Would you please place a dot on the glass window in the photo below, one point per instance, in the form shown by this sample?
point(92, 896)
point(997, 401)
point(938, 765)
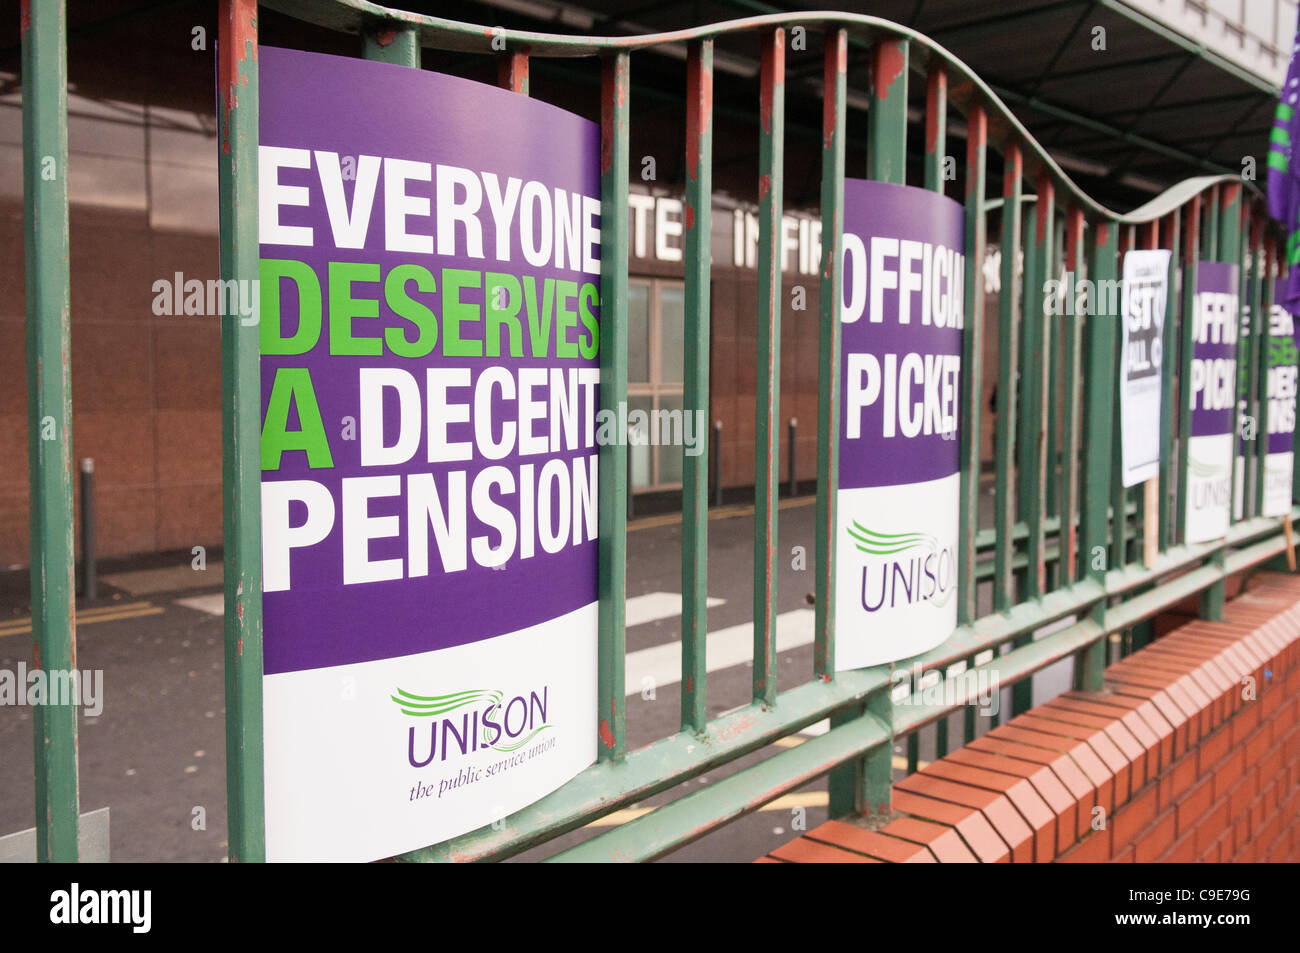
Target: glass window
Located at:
point(672, 317)
point(655, 369)
point(638, 328)
point(670, 456)
point(639, 452)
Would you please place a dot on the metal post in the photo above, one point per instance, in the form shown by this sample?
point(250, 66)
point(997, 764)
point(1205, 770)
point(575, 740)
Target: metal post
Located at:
point(792, 432)
point(834, 89)
point(1099, 381)
point(89, 587)
point(695, 491)
point(717, 463)
point(241, 427)
point(1226, 236)
point(972, 350)
point(611, 713)
point(49, 414)
point(1009, 305)
point(387, 43)
point(767, 446)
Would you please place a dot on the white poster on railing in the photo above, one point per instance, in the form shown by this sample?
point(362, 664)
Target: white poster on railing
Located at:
point(429, 552)
point(1280, 412)
point(1213, 385)
point(1146, 289)
point(898, 500)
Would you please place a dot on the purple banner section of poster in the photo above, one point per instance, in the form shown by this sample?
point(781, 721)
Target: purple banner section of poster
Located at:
point(1217, 287)
point(1281, 363)
point(905, 383)
point(359, 110)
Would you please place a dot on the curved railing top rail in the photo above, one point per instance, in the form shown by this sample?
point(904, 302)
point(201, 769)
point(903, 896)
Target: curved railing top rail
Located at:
point(965, 88)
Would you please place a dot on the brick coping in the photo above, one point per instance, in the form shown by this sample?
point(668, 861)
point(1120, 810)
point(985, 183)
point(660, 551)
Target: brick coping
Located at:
point(1172, 761)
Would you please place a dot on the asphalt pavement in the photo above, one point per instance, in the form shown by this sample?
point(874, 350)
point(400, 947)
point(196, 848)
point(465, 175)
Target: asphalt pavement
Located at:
point(156, 754)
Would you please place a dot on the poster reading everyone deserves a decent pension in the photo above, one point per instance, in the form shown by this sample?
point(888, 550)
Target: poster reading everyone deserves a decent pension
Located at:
point(430, 328)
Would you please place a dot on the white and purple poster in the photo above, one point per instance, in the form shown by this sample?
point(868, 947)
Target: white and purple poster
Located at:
point(1246, 426)
point(899, 483)
point(1280, 414)
point(429, 327)
point(1146, 289)
point(1213, 383)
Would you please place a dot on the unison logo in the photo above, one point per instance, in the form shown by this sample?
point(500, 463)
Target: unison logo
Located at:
point(906, 568)
point(1212, 486)
point(464, 722)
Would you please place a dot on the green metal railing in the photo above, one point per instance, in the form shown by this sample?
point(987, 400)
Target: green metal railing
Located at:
point(1058, 500)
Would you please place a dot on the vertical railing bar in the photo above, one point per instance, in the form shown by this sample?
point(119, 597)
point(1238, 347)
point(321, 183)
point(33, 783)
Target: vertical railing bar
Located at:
point(1099, 378)
point(612, 467)
point(1169, 414)
point(1023, 382)
point(1036, 393)
point(1260, 320)
point(972, 386)
point(1009, 307)
point(1056, 333)
point(392, 42)
point(936, 147)
point(241, 435)
point(887, 162)
point(1245, 483)
point(1119, 494)
point(968, 721)
point(695, 388)
point(972, 358)
point(1211, 234)
point(936, 128)
point(1191, 254)
point(1038, 253)
point(865, 784)
point(1074, 252)
point(828, 348)
point(49, 418)
point(1147, 238)
point(512, 71)
point(1225, 218)
point(771, 159)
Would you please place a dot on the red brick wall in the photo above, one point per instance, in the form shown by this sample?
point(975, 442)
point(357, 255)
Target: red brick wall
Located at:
point(146, 389)
point(1183, 764)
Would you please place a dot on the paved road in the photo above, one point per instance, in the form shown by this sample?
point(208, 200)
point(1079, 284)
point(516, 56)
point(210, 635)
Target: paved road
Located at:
point(156, 754)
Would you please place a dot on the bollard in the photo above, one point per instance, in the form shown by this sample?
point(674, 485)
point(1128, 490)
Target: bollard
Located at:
point(717, 463)
point(88, 526)
point(794, 483)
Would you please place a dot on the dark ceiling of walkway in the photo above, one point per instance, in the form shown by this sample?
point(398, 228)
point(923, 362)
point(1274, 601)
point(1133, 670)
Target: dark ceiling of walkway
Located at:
point(1148, 110)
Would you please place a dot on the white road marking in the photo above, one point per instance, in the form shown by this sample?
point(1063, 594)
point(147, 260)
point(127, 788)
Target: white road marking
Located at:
point(654, 606)
point(733, 645)
point(213, 604)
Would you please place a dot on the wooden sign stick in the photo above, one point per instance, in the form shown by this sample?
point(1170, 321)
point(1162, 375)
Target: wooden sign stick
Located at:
point(1290, 542)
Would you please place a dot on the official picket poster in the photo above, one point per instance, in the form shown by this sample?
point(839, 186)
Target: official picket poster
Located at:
point(429, 326)
point(1280, 412)
point(1212, 383)
point(1145, 292)
point(898, 499)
